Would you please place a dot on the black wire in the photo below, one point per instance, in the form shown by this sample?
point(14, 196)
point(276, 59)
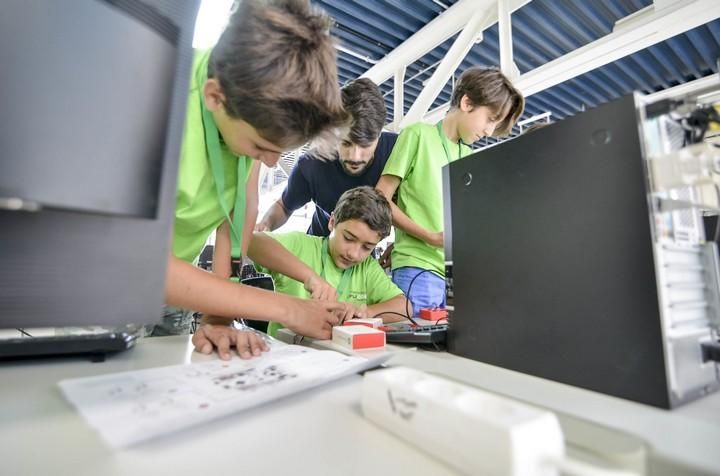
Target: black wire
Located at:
point(23, 332)
point(412, 281)
point(395, 313)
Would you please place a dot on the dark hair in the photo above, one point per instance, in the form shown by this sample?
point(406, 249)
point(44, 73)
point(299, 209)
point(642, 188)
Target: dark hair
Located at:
point(365, 204)
point(276, 66)
point(363, 100)
point(490, 88)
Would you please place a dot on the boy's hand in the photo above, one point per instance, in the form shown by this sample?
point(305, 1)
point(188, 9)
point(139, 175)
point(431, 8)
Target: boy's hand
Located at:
point(436, 239)
point(247, 344)
point(320, 289)
point(351, 311)
point(313, 318)
point(262, 227)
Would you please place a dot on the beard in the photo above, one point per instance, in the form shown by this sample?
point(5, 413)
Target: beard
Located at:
point(360, 169)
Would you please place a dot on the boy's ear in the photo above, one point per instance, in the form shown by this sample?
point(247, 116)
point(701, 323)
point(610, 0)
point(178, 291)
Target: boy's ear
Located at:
point(331, 222)
point(466, 105)
point(213, 95)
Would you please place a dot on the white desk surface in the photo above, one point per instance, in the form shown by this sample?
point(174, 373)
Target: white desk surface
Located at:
point(685, 440)
point(317, 432)
point(320, 432)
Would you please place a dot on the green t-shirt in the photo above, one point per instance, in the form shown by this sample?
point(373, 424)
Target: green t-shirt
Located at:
point(418, 158)
point(198, 211)
point(367, 282)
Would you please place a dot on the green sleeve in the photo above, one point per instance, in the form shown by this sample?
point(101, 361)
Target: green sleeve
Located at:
point(295, 243)
point(290, 241)
point(404, 153)
point(379, 286)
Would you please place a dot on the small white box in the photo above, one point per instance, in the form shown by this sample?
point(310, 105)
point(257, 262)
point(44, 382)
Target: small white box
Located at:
point(373, 322)
point(358, 337)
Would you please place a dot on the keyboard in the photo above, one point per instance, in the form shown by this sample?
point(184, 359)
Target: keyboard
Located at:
point(434, 335)
point(96, 345)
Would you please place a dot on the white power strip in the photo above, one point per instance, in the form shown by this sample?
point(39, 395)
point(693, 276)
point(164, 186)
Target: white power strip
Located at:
point(475, 432)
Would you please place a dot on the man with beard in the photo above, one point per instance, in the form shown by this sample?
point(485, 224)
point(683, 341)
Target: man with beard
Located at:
point(362, 155)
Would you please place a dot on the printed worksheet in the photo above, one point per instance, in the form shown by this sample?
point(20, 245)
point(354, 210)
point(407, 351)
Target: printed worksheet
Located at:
point(129, 407)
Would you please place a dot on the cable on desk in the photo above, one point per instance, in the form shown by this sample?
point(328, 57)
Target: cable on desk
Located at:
point(407, 302)
point(396, 314)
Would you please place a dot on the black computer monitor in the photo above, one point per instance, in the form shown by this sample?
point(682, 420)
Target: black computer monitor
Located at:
point(92, 99)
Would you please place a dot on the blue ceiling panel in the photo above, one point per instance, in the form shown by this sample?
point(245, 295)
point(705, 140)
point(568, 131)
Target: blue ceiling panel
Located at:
point(543, 30)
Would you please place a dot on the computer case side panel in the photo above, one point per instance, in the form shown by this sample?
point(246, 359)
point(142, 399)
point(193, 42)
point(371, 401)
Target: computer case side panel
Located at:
point(553, 259)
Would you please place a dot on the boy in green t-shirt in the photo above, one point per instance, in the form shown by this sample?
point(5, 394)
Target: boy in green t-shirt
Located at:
point(484, 103)
point(361, 218)
point(269, 85)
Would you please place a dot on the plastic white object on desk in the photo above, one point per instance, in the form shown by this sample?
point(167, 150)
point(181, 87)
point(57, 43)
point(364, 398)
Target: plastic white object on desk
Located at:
point(358, 337)
point(474, 431)
point(373, 322)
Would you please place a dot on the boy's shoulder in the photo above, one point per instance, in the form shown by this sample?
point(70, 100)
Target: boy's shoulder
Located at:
point(293, 235)
point(305, 247)
point(419, 128)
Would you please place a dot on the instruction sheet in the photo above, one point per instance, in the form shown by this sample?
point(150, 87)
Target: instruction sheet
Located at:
point(129, 407)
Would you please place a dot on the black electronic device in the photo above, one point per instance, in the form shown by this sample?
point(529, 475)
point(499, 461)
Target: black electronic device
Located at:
point(95, 345)
point(94, 94)
point(559, 271)
point(431, 335)
point(251, 277)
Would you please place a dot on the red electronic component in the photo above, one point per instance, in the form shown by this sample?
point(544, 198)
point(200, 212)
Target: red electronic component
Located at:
point(433, 314)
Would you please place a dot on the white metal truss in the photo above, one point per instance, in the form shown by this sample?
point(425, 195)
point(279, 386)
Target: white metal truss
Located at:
point(507, 65)
point(650, 27)
point(653, 24)
point(399, 95)
point(445, 26)
point(446, 68)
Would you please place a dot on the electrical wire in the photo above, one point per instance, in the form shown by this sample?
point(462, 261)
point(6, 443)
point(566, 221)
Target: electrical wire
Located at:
point(397, 314)
point(409, 293)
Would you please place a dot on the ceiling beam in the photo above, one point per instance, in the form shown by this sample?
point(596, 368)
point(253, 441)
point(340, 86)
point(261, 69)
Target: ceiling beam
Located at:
point(448, 66)
point(399, 96)
point(433, 34)
point(507, 64)
point(648, 27)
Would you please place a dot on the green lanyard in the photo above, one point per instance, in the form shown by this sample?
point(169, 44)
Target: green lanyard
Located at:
point(345, 274)
point(442, 141)
point(212, 144)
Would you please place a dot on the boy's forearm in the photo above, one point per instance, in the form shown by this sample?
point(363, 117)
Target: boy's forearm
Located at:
point(406, 224)
point(396, 305)
point(275, 217)
point(189, 287)
point(216, 320)
point(388, 185)
point(267, 252)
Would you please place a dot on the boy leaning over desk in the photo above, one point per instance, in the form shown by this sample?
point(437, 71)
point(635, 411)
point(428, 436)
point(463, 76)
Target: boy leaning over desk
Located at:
point(269, 85)
point(483, 103)
point(361, 219)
